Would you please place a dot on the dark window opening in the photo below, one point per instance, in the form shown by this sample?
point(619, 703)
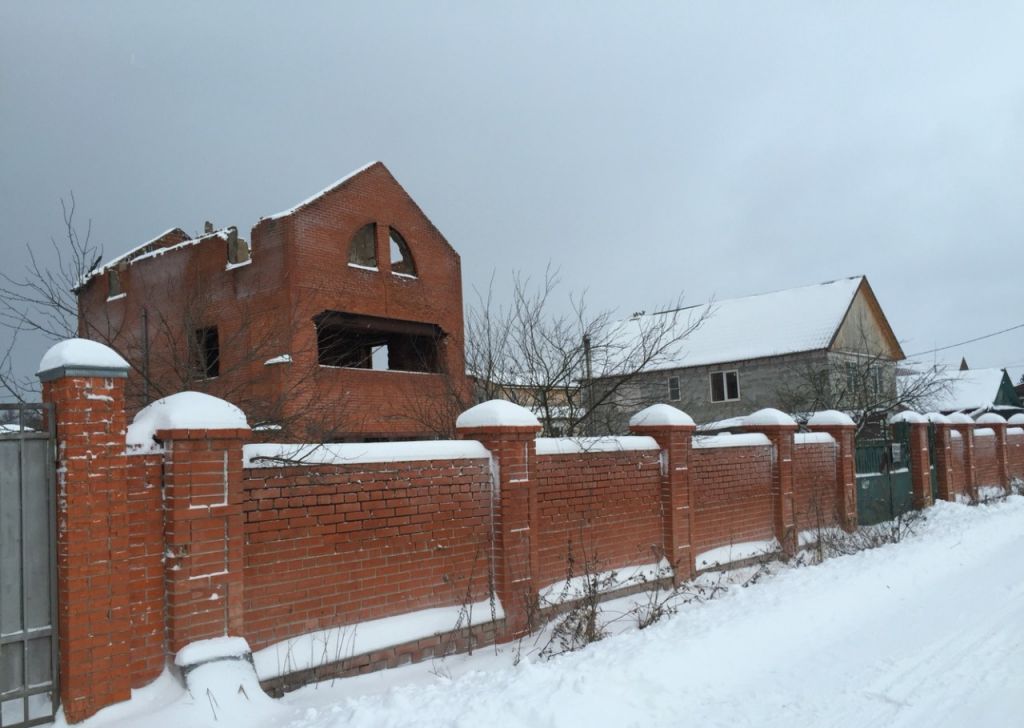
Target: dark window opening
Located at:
point(363, 250)
point(725, 386)
point(369, 342)
point(673, 389)
point(401, 258)
point(207, 352)
point(114, 284)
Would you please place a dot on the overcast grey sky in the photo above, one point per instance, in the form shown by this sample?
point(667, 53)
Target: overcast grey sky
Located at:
point(720, 149)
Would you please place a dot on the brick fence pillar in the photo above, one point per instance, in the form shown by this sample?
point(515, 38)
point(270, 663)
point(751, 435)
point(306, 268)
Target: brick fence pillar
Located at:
point(673, 431)
point(510, 433)
point(965, 426)
point(84, 380)
point(998, 425)
point(943, 456)
point(920, 458)
point(203, 522)
point(843, 430)
point(779, 428)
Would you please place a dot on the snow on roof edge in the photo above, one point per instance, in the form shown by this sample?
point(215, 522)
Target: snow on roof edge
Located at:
point(321, 193)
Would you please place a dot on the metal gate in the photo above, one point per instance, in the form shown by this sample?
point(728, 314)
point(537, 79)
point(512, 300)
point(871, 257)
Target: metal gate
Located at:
point(884, 485)
point(28, 567)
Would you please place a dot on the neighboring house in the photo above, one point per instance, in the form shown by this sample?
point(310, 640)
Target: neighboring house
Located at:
point(341, 321)
point(558, 408)
point(975, 391)
point(822, 346)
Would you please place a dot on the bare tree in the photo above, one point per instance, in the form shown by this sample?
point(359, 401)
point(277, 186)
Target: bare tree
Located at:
point(567, 366)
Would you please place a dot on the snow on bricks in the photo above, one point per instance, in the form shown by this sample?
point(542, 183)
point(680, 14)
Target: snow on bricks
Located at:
point(294, 547)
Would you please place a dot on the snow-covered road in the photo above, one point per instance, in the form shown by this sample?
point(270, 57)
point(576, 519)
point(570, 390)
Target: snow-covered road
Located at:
point(928, 632)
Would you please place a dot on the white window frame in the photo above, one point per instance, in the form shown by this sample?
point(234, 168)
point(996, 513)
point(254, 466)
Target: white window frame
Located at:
point(725, 386)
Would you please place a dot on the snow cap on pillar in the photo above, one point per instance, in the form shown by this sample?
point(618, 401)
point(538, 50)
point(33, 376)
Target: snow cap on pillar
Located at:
point(497, 413)
point(991, 418)
point(661, 415)
point(81, 358)
point(1016, 420)
point(959, 418)
point(769, 417)
point(183, 411)
point(830, 418)
point(909, 417)
point(937, 418)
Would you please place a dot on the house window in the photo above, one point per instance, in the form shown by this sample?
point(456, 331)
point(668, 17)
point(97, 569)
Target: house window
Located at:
point(114, 287)
point(401, 258)
point(370, 342)
point(673, 389)
point(206, 358)
point(363, 249)
point(725, 386)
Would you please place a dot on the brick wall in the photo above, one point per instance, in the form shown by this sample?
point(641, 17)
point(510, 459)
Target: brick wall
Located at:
point(606, 505)
point(340, 544)
point(732, 495)
point(816, 492)
point(146, 566)
point(1015, 453)
point(985, 463)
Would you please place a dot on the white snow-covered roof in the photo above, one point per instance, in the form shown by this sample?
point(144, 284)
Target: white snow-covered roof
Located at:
point(321, 193)
point(769, 324)
point(969, 390)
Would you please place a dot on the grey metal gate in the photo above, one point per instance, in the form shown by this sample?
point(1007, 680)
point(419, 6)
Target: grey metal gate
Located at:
point(28, 566)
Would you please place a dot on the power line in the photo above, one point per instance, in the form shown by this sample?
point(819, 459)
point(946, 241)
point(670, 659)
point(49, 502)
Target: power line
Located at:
point(969, 341)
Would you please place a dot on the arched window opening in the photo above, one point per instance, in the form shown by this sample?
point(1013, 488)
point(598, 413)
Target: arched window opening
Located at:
point(401, 258)
point(363, 251)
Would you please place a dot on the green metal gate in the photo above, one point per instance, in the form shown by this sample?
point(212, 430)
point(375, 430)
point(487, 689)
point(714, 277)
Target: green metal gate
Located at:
point(28, 570)
point(884, 486)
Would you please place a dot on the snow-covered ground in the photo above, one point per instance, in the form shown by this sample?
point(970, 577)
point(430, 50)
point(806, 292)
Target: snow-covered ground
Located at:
point(927, 632)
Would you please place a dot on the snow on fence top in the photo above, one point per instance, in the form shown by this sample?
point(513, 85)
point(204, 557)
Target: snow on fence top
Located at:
point(268, 455)
point(984, 432)
point(183, 411)
point(216, 648)
point(937, 418)
point(768, 417)
point(812, 438)
point(749, 439)
point(661, 415)
point(571, 445)
point(830, 418)
point(991, 418)
point(1015, 431)
point(80, 353)
point(907, 416)
point(497, 413)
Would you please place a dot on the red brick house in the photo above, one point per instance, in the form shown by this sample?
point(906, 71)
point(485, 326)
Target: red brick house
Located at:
point(342, 320)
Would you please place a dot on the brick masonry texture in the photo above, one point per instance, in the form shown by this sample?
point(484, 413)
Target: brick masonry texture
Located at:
point(985, 460)
point(157, 550)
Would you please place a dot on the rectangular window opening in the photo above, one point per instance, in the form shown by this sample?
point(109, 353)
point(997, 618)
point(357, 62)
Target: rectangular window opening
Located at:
point(673, 389)
point(207, 352)
point(725, 386)
point(364, 342)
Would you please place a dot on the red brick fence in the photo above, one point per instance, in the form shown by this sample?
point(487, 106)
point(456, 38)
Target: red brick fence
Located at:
point(195, 534)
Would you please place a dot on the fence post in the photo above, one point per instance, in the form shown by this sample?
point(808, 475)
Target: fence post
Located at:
point(965, 426)
point(920, 461)
point(84, 380)
point(202, 439)
point(673, 431)
point(779, 428)
point(998, 425)
point(1016, 461)
point(509, 432)
point(943, 456)
point(843, 431)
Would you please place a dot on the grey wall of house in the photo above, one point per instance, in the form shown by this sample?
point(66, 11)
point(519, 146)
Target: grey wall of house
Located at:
point(782, 382)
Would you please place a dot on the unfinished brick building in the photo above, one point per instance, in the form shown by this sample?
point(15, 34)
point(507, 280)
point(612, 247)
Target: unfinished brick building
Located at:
point(341, 321)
